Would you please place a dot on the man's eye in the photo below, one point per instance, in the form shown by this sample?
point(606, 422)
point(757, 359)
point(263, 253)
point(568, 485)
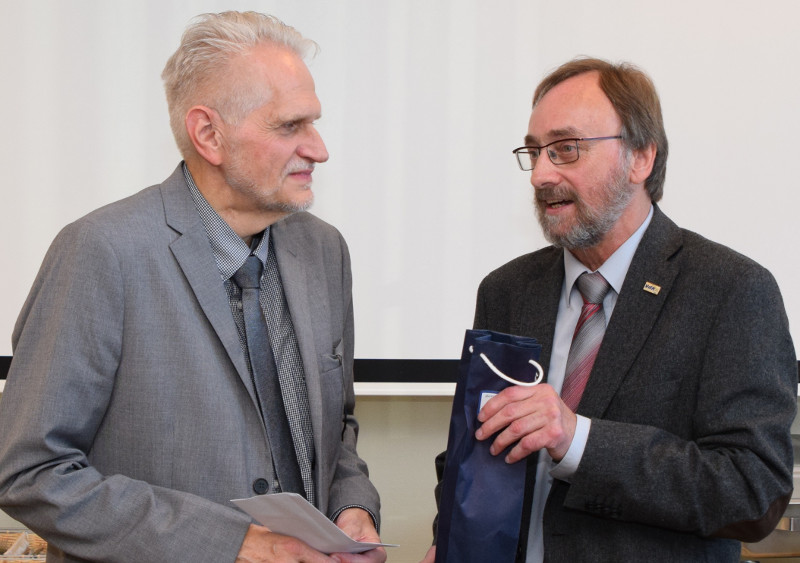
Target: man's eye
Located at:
point(290, 126)
point(565, 148)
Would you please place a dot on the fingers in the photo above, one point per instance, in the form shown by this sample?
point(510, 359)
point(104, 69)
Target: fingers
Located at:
point(506, 396)
point(377, 555)
point(357, 523)
point(512, 404)
point(531, 434)
point(262, 546)
point(430, 556)
point(531, 418)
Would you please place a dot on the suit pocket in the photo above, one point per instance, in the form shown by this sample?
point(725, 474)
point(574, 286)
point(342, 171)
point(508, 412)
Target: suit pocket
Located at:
point(330, 362)
point(332, 380)
point(332, 368)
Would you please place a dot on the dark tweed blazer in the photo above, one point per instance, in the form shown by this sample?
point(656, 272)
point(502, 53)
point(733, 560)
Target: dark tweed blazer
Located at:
point(691, 399)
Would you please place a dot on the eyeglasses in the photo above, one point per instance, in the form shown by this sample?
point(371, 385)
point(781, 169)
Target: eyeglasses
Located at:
point(562, 151)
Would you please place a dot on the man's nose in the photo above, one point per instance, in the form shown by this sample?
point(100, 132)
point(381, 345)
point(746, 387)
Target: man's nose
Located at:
point(313, 147)
point(544, 172)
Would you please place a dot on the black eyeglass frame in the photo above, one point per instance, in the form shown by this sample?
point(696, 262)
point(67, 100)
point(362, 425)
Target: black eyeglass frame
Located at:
point(522, 150)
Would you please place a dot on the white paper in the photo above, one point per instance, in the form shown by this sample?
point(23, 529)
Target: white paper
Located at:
point(292, 515)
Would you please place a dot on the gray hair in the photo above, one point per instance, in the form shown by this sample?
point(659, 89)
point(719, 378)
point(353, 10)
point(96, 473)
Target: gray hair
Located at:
point(194, 74)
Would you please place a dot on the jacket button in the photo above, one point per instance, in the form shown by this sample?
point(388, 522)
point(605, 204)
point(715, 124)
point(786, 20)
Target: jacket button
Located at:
point(260, 486)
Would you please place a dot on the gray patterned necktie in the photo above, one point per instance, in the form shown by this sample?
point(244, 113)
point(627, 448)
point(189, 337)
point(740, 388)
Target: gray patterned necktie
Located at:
point(265, 378)
point(587, 338)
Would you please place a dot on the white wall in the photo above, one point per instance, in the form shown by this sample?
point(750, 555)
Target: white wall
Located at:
point(423, 101)
point(399, 439)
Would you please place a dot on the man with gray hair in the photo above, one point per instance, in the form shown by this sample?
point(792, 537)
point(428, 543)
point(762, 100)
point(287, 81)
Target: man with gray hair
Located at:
point(193, 343)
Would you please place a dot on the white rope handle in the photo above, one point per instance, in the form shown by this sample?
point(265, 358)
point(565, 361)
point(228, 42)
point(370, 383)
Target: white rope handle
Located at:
point(539, 370)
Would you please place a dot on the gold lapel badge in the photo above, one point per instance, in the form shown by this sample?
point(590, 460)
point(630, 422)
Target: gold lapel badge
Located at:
point(650, 287)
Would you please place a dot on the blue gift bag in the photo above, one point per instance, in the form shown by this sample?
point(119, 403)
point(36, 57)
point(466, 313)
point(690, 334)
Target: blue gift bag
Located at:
point(480, 506)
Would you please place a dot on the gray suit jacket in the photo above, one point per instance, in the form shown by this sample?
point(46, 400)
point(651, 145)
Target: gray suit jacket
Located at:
point(129, 420)
point(691, 399)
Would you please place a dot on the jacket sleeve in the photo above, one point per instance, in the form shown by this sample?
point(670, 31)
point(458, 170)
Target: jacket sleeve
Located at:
point(725, 468)
point(67, 344)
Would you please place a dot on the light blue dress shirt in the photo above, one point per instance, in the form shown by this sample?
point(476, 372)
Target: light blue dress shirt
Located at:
point(614, 271)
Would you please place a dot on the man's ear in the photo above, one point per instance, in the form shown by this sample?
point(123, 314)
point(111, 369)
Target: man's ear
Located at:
point(202, 125)
point(642, 164)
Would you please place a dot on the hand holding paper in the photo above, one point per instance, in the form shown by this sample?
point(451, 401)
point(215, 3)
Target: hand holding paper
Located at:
point(261, 545)
point(292, 515)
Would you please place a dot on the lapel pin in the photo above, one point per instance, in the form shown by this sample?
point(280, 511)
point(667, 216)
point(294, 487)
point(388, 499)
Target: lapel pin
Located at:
point(650, 287)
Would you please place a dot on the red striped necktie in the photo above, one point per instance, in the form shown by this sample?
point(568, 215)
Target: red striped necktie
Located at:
point(587, 338)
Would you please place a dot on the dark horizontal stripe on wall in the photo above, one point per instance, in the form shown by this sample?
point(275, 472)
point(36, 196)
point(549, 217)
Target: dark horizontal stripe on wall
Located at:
point(372, 371)
point(378, 371)
point(405, 371)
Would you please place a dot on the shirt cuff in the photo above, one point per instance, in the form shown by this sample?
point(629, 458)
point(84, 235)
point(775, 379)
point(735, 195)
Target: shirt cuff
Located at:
point(566, 468)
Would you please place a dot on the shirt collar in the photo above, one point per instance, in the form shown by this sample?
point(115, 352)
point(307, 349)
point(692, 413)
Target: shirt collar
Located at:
point(614, 269)
point(230, 251)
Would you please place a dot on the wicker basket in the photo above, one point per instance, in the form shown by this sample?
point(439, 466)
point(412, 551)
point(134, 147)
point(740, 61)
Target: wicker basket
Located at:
point(36, 550)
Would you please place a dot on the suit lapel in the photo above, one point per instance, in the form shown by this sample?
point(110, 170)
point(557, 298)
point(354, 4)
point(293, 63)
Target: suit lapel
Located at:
point(193, 253)
point(635, 313)
point(304, 295)
point(538, 307)
point(302, 292)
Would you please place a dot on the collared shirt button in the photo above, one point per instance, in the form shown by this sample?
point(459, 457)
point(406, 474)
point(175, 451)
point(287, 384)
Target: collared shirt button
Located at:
point(261, 486)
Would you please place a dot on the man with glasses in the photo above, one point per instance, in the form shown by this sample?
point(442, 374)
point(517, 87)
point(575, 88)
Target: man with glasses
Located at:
point(663, 430)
